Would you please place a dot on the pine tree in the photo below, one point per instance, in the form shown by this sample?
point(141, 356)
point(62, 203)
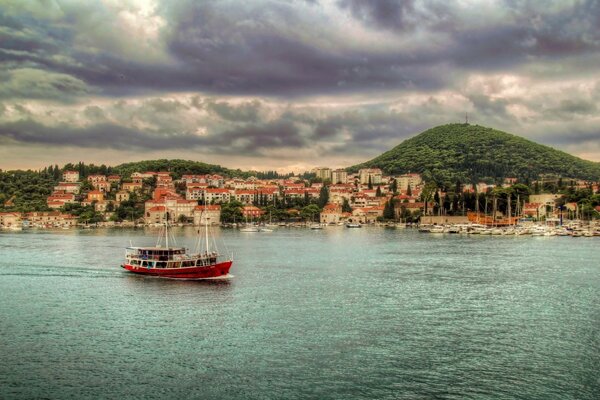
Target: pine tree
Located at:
point(370, 186)
point(323, 197)
point(378, 192)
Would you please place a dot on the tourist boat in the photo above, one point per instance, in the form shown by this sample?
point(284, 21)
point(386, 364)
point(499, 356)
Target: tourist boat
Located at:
point(175, 262)
point(353, 225)
point(316, 226)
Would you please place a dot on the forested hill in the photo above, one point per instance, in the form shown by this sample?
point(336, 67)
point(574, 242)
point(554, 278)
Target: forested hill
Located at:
point(468, 153)
point(176, 167)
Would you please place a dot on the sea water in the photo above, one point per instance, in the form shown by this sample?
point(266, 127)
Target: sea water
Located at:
point(327, 314)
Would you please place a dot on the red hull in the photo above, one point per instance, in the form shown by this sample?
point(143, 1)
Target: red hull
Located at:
point(211, 271)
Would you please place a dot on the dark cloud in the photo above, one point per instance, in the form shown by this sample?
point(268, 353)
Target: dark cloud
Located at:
point(392, 14)
point(248, 139)
point(272, 52)
point(245, 112)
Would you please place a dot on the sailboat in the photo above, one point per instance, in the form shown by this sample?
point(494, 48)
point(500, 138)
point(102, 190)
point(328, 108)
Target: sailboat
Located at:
point(171, 261)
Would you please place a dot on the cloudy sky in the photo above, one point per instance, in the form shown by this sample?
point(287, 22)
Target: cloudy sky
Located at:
point(288, 85)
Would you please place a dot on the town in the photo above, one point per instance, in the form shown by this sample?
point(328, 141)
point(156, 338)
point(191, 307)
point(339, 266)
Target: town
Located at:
point(323, 196)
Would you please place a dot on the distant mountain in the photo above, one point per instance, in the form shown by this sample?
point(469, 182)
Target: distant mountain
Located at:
point(471, 153)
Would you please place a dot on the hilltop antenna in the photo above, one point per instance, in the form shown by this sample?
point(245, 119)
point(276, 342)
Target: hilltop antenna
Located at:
point(466, 118)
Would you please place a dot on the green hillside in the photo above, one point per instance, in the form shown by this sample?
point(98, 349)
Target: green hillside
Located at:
point(467, 153)
point(176, 167)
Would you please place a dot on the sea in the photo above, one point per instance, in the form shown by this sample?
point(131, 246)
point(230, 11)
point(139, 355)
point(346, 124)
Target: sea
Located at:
point(338, 313)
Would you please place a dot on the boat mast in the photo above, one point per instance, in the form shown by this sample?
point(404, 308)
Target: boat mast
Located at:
point(206, 227)
point(167, 229)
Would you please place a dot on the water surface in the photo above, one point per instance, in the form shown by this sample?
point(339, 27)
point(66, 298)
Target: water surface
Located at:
point(331, 314)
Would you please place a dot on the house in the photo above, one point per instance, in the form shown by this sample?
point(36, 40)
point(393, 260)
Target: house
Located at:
point(331, 214)
point(103, 186)
point(122, 195)
point(245, 196)
point(322, 173)
point(163, 179)
point(216, 195)
point(132, 186)
point(536, 210)
point(408, 180)
point(10, 219)
point(67, 187)
point(252, 212)
point(339, 176)
point(95, 195)
point(59, 199)
point(176, 206)
point(96, 178)
point(367, 215)
point(70, 176)
point(370, 175)
point(195, 191)
point(209, 213)
point(412, 207)
point(155, 215)
point(50, 218)
point(114, 178)
point(101, 206)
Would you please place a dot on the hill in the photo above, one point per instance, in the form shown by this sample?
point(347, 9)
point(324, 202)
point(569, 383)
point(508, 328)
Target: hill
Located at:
point(468, 153)
point(176, 167)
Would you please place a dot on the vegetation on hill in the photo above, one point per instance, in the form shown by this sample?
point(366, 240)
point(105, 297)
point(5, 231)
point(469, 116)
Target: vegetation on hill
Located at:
point(25, 191)
point(176, 167)
point(471, 153)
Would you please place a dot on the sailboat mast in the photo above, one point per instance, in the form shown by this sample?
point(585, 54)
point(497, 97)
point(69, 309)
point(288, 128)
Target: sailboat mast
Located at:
point(167, 229)
point(206, 228)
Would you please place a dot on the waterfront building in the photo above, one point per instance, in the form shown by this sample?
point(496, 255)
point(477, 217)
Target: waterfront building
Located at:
point(331, 214)
point(210, 213)
point(251, 212)
point(175, 205)
point(155, 215)
point(534, 209)
point(49, 218)
point(10, 219)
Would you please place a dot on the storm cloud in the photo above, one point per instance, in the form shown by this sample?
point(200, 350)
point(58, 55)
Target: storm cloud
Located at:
point(339, 80)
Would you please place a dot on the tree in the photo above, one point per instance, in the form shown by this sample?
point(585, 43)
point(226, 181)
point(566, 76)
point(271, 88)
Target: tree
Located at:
point(308, 212)
point(323, 197)
point(409, 191)
point(388, 211)
point(346, 206)
point(231, 212)
point(378, 192)
point(370, 185)
point(394, 186)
